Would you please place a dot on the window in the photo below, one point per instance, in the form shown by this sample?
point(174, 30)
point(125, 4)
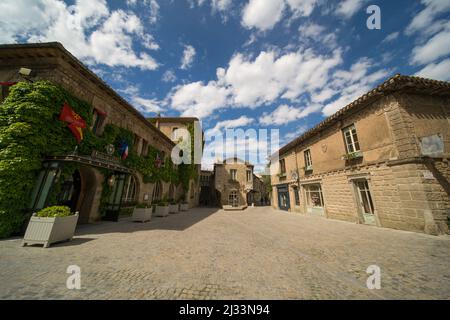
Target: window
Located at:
point(296, 196)
point(314, 197)
point(97, 120)
point(233, 174)
point(144, 151)
point(233, 199)
point(249, 175)
point(282, 166)
point(137, 140)
point(351, 139)
point(157, 192)
point(365, 197)
point(308, 160)
point(129, 191)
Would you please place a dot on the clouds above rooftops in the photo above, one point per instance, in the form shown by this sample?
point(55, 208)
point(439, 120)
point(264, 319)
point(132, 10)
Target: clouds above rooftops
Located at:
point(88, 29)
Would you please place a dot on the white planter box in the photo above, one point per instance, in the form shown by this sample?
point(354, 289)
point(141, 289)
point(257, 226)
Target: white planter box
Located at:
point(142, 214)
point(174, 208)
point(184, 207)
point(161, 211)
point(50, 230)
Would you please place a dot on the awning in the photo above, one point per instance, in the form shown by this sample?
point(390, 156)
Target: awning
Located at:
point(91, 161)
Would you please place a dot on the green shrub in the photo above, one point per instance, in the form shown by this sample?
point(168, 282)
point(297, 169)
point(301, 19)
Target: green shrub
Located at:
point(142, 205)
point(55, 211)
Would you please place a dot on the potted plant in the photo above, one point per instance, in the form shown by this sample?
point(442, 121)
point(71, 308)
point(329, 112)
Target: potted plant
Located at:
point(50, 225)
point(162, 208)
point(174, 207)
point(142, 212)
point(184, 206)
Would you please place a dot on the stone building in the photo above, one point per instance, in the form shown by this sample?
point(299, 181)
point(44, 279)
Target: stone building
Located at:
point(233, 182)
point(382, 160)
point(51, 61)
point(207, 189)
point(259, 195)
point(176, 128)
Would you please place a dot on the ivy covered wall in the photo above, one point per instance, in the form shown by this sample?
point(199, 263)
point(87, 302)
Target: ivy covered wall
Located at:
point(30, 130)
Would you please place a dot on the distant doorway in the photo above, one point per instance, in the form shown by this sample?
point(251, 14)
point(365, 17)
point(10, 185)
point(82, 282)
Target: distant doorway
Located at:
point(283, 198)
point(366, 206)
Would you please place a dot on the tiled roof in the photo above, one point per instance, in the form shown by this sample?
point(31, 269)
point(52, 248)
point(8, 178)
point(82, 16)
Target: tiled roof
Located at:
point(396, 83)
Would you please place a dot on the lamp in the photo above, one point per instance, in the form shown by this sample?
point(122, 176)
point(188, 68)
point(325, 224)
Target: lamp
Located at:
point(25, 71)
point(112, 180)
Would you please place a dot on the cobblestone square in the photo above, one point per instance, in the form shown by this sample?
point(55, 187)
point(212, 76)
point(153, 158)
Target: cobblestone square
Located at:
point(208, 253)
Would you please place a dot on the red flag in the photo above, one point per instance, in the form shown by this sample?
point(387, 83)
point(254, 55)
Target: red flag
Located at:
point(76, 123)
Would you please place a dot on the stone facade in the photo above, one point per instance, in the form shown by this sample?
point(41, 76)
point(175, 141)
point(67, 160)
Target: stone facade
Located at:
point(50, 61)
point(173, 128)
point(233, 181)
point(391, 180)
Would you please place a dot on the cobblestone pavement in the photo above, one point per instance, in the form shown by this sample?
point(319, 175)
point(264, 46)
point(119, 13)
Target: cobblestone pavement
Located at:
point(205, 253)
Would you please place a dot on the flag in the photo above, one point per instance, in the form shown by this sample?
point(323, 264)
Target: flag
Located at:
point(123, 149)
point(76, 123)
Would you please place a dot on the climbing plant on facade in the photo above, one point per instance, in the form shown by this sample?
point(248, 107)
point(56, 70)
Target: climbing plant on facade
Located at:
point(30, 130)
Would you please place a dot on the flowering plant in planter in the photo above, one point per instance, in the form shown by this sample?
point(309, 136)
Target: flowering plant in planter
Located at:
point(50, 225)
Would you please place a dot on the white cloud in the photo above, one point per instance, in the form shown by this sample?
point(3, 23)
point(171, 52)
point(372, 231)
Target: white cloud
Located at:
point(146, 105)
point(302, 8)
point(154, 10)
point(352, 84)
point(391, 37)
point(316, 33)
point(438, 71)
point(285, 114)
point(425, 21)
point(348, 8)
point(198, 99)
point(221, 5)
point(262, 14)
point(436, 47)
point(231, 124)
point(254, 82)
point(169, 76)
point(88, 29)
point(188, 57)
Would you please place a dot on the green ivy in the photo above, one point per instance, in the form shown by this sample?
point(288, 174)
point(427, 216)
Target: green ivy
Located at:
point(30, 131)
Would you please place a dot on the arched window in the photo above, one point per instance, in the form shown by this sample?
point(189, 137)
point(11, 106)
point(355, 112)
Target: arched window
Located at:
point(130, 190)
point(157, 191)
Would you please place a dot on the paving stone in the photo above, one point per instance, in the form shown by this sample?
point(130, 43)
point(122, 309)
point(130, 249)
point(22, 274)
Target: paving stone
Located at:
point(212, 254)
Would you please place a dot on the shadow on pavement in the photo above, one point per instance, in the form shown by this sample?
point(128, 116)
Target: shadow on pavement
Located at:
point(176, 222)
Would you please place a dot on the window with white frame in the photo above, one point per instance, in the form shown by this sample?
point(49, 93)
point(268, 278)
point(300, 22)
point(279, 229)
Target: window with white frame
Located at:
point(129, 190)
point(233, 174)
point(308, 160)
point(351, 139)
point(233, 199)
point(314, 197)
point(249, 175)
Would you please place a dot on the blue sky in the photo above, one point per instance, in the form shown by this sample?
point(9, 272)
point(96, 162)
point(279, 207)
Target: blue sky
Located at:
point(284, 64)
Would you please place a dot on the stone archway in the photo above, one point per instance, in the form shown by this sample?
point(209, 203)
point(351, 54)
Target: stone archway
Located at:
point(89, 199)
